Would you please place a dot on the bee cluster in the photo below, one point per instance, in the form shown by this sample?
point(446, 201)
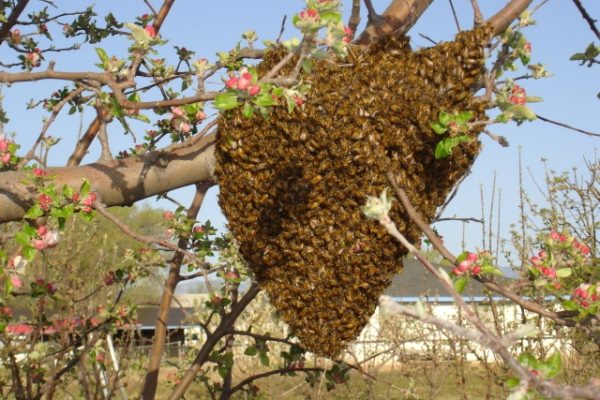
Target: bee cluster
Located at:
point(291, 185)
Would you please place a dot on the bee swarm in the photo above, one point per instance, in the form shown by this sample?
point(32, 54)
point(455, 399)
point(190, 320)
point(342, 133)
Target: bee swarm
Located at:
point(291, 186)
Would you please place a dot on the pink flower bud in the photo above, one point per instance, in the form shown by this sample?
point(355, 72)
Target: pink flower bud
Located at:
point(39, 172)
point(549, 272)
point(200, 115)
point(457, 271)
point(476, 270)
point(542, 254)
point(41, 231)
point(554, 235)
point(244, 81)
point(38, 244)
point(51, 238)
point(150, 30)
point(168, 215)
point(177, 111)
point(5, 158)
point(464, 266)
point(472, 257)
point(198, 229)
point(231, 82)
point(254, 90)
point(16, 281)
point(3, 145)
point(298, 100)
point(535, 260)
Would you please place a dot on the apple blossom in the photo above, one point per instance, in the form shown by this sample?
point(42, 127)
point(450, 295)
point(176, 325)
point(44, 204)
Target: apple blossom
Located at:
point(168, 215)
point(51, 238)
point(231, 82)
point(39, 172)
point(200, 115)
point(150, 30)
point(244, 81)
point(17, 262)
point(16, 281)
point(518, 95)
point(254, 90)
point(177, 111)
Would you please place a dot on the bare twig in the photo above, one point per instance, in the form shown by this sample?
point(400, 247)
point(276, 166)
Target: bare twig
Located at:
point(567, 126)
point(454, 15)
point(477, 16)
point(591, 22)
point(12, 19)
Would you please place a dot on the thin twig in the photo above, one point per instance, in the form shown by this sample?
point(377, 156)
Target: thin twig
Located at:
point(454, 15)
point(591, 22)
point(567, 126)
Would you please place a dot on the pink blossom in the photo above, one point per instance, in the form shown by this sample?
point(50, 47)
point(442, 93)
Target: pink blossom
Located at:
point(17, 262)
point(51, 238)
point(472, 257)
point(177, 111)
point(41, 231)
point(244, 81)
point(298, 100)
point(585, 250)
point(518, 95)
point(542, 254)
point(39, 172)
point(16, 281)
point(535, 260)
point(476, 270)
point(19, 329)
point(464, 265)
point(254, 90)
point(527, 48)
point(44, 201)
point(231, 82)
point(5, 158)
point(457, 271)
point(3, 145)
point(90, 199)
point(200, 115)
point(150, 30)
point(168, 215)
point(554, 235)
point(198, 229)
point(549, 272)
point(38, 244)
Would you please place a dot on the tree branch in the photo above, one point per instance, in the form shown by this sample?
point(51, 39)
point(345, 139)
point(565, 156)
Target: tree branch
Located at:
point(591, 22)
point(504, 17)
point(12, 19)
point(120, 182)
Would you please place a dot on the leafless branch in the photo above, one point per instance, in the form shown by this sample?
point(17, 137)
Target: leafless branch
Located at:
point(550, 121)
point(591, 22)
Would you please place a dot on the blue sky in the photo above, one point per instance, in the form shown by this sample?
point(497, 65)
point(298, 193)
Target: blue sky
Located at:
point(207, 27)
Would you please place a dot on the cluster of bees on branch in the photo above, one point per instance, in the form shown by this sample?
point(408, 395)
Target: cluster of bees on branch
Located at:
point(291, 185)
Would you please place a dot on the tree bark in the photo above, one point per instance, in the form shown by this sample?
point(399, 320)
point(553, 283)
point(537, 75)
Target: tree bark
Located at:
point(120, 182)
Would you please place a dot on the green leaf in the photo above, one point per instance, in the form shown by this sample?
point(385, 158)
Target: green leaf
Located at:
point(577, 57)
point(464, 116)
point(524, 111)
point(68, 192)
point(331, 16)
point(460, 284)
point(445, 117)
point(512, 382)
point(564, 272)
point(251, 351)
point(34, 212)
point(22, 238)
point(248, 110)
point(29, 252)
point(529, 361)
point(553, 365)
point(438, 127)
point(569, 305)
point(226, 101)
point(307, 66)
point(264, 359)
point(445, 146)
point(533, 99)
point(102, 54)
point(84, 189)
point(264, 100)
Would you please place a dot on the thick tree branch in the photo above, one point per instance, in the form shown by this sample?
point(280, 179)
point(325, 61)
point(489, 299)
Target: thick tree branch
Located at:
point(399, 17)
point(12, 19)
point(504, 17)
point(120, 182)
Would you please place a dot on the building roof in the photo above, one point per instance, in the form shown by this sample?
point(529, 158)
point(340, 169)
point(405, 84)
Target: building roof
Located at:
point(415, 282)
